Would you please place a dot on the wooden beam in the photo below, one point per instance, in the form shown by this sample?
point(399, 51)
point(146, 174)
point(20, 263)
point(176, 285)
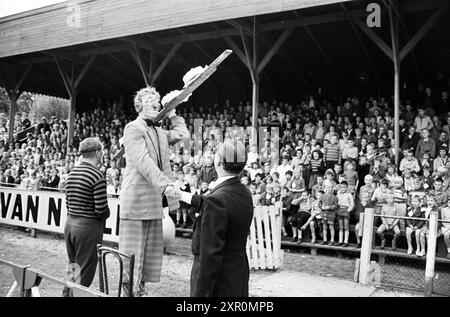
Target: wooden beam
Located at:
point(363, 45)
point(247, 56)
point(402, 20)
point(432, 21)
point(268, 39)
point(136, 53)
point(323, 52)
point(22, 78)
point(64, 76)
point(84, 71)
point(374, 37)
point(284, 36)
point(164, 63)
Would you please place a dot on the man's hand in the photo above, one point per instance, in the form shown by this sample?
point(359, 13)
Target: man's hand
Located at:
point(171, 192)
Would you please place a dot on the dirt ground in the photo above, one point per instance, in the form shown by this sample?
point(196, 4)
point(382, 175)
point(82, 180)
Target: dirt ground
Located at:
point(47, 253)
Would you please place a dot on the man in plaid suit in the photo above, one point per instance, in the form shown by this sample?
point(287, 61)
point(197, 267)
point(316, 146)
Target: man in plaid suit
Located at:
point(147, 174)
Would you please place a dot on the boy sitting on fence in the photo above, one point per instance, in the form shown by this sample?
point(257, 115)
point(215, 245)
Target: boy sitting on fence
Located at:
point(424, 234)
point(389, 209)
point(445, 213)
point(329, 204)
point(315, 220)
point(414, 225)
point(300, 218)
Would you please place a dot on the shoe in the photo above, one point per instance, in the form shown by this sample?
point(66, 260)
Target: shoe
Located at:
point(422, 253)
point(313, 240)
point(294, 239)
point(448, 255)
point(417, 252)
point(141, 290)
point(394, 245)
point(383, 243)
point(331, 243)
point(184, 226)
point(335, 244)
point(358, 245)
point(324, 242)
point(299, 241)
point(345, 245)
point(339, 244)
point(177, 225)
point(125, 290)
point(410, 251)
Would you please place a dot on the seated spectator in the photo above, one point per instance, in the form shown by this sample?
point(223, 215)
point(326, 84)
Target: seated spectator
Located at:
point(388, 224)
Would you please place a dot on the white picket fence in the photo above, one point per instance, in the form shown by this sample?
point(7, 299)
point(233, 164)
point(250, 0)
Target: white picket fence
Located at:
point(264, 242)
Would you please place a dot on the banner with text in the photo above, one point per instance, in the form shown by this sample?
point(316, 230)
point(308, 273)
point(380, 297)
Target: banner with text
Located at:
point(46, 210)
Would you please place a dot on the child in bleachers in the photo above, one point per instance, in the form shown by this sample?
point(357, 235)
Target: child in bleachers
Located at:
point(431, 207)
point(192, 179)
point(267, 198)
point(440, 196)
point(297, 184)
point(362, 203)
point(183, 185)
point(302, 216)
point(400, 198)
point(329, 179)
point(345, 206)
point(389, 209)
point(426, 180)
point(409, 180)
point(286, 200)
point(315, 220)
point(445, 214)
point(379, 196)
point(414, 225)
point(318, 185)
point(351, 177)
point(329, 204)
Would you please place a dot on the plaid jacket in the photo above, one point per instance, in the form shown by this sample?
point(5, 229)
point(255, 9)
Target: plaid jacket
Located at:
point(143, 183)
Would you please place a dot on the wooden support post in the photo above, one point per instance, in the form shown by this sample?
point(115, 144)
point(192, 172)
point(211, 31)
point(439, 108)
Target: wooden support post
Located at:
point(12, 114)
point(72, 85)
point(366, 247)
point(431, 253)
point(393, 21)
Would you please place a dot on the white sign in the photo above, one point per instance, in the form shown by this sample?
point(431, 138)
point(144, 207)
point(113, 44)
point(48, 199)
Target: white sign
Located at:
point(46, 210)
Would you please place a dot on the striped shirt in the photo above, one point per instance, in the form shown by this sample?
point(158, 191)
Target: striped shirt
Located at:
point(332, 153)
point(86, 192)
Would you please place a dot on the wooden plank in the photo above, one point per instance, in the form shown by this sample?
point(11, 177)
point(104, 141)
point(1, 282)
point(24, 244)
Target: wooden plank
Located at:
point(275, 237)
point(208, 71)
point(267, 237)
point(366, 247)
point(253, 244)
point(83, 72)
point(260, 239)
point(106, 19)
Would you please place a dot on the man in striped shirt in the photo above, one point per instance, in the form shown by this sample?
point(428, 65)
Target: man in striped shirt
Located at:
point(87, 211)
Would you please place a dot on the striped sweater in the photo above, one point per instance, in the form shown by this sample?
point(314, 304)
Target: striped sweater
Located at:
point(332, 153)
point(86, 192)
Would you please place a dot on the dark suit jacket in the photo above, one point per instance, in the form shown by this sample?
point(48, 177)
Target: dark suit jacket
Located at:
point(220, 238)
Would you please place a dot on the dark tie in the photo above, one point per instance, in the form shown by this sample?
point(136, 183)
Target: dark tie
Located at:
point(151, 123)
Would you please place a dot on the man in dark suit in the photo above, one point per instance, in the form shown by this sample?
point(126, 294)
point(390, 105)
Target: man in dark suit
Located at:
point(221, 228)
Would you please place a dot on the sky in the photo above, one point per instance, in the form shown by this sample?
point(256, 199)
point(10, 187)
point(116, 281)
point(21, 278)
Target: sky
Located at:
point(9, 7)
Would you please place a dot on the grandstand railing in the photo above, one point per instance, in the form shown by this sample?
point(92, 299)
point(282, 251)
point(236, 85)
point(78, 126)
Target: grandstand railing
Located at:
point(429, 274)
